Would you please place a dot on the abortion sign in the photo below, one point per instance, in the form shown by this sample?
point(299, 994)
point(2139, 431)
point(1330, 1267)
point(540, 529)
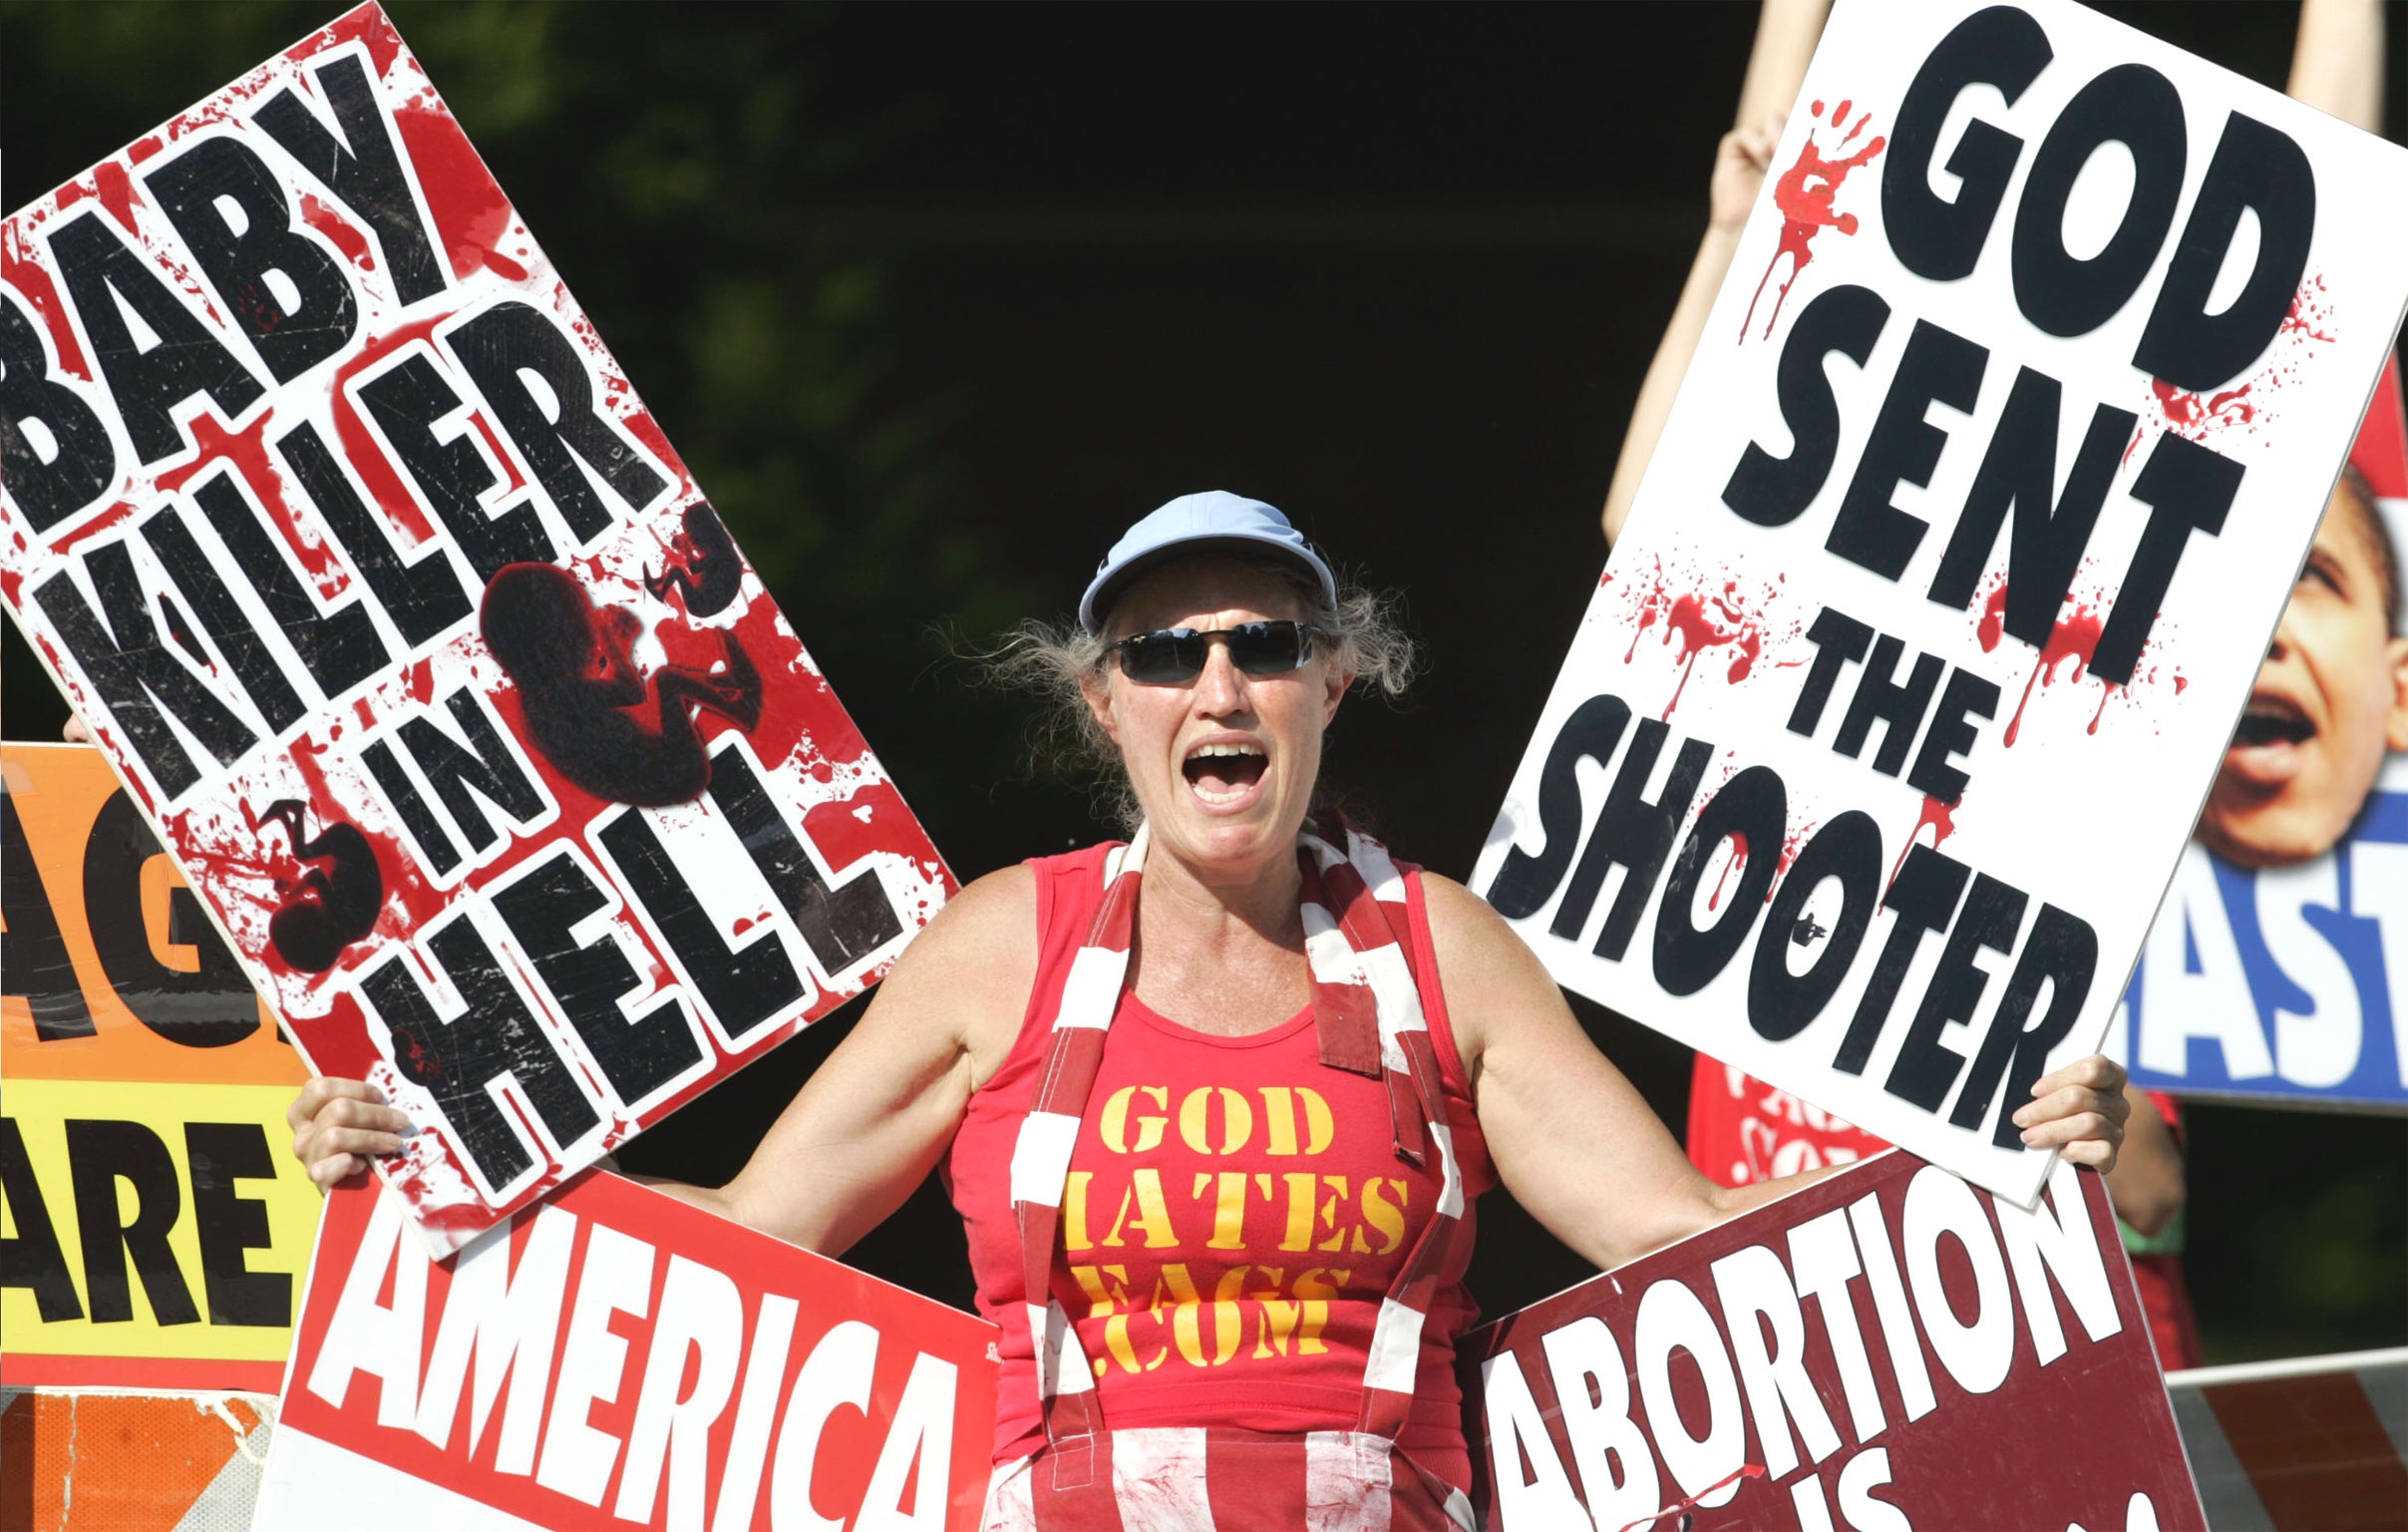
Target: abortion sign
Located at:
point(1884, 1349)
point(1890, 714)
point(508, 785)
point(618, 1357)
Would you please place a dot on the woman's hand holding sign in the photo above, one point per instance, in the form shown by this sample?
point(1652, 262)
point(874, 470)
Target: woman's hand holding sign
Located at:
point(338, 1124)
point(1740, 161)
point(1786, 31)
point(2079, 1110)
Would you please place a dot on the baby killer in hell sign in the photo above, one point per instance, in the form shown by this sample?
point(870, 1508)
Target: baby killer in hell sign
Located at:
point(2007, 437)
point(1884, 1349)
point(618, 1357)
point(510, 786)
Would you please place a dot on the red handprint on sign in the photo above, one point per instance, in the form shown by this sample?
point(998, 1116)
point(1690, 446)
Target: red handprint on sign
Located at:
point(1805, 194)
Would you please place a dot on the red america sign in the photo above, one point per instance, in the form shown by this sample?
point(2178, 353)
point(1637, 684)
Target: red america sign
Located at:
point(510, 788)
point(1886, 1349)
point(618, 1357)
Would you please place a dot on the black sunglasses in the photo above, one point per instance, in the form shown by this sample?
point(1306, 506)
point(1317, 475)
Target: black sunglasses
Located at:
point(1168, 657)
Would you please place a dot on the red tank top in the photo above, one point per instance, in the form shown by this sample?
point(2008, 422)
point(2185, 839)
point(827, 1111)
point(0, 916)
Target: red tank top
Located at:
point(1234, 1214)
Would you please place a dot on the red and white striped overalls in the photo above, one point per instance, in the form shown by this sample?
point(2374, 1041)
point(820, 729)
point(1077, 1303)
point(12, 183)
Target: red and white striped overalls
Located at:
point(1369, 1020)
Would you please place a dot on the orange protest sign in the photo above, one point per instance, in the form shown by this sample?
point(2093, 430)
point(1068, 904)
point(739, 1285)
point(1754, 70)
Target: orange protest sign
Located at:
point(155, 1228)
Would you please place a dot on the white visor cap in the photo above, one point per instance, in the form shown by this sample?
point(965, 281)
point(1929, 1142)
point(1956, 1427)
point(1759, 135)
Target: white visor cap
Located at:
point(1189, 524)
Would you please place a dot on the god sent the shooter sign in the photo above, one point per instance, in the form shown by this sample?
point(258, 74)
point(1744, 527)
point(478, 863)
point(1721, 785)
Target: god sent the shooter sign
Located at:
point(510, 788)
point(1992, 474)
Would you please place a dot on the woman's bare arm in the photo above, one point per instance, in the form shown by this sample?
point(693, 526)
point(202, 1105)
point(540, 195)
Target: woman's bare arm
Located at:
point(2147, 1183)
point(2337, 64)
point(1578, 1145)
point(1572, 1139)
point(1786, 32)
point(868, 1126)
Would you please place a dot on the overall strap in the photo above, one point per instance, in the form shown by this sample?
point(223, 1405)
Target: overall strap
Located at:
point(1041, 1161)
point(1354, 937)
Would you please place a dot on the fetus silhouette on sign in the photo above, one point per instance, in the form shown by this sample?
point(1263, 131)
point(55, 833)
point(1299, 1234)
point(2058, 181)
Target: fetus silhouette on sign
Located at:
point(702, 564)
point(333, 904)
point(604, 723)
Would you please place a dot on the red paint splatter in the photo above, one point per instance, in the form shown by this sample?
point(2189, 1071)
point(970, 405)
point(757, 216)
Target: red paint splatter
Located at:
point(743, 924)
point(1791, 843)
point(492, 444)
point(115, 191)
point(264, 859)
point(2107, 689)
point(1725, 619)
point(18, 269)
point(2070, 644)
point(468, 208)
point(1940, 816)
point(841, 833)
point(113, 188)
point(804, 722)
point(180, 126)
point(198, 117)
point(367, 457)
point(109, 185)
point(644, 428)
point(2186, 414)
point(409, 903)
point(1739, 858)
point(1751, 649)
point(1805, 194)
point(340, 232)
point(113, 516)
point(1650, 601)
point(143, 147)
point(1993, 617)
point(359, 448)
point(371, 30)
point(246, 450)
point(2308, 310)
point(2199, 418)
point(1692, 617)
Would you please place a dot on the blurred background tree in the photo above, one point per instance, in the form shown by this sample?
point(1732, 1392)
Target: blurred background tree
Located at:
point(934, 299)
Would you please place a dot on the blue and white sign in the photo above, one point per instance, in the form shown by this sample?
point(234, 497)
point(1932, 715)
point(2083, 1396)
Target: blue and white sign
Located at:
point(2287, 984)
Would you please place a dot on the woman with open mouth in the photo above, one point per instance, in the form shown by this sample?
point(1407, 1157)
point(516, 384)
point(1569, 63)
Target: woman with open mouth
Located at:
point(1215, 1104)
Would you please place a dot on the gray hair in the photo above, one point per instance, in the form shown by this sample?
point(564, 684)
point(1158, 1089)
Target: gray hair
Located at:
point(1052, 660)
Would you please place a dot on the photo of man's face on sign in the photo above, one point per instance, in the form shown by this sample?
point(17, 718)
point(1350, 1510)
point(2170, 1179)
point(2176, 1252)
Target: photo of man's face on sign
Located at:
point(2331, 700)
point(2265, 975)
